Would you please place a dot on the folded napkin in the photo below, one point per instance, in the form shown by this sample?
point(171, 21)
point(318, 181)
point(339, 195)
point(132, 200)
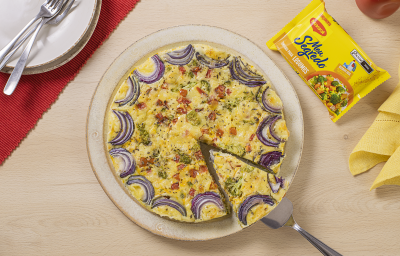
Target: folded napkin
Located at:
point(381, 143)
point(35, 93)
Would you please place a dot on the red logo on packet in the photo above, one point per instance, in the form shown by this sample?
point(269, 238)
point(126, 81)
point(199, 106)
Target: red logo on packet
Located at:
point(318, 27)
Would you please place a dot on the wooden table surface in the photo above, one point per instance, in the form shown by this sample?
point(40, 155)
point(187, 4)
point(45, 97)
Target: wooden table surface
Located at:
point(51, 202)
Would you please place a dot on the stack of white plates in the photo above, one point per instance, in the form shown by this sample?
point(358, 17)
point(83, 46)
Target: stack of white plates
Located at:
point(55, 45)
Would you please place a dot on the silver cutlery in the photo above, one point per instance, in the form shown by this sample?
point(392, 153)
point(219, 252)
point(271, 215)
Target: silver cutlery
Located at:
point(46, 11)
point(20, 66)
point(282, 216)
point(54, 21)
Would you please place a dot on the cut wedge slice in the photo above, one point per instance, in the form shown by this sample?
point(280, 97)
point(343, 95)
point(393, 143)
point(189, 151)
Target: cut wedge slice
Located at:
point(252, 192)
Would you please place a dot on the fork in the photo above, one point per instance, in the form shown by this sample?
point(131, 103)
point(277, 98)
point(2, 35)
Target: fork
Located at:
point(12, 82)
point(45, 12)
point(54, 21)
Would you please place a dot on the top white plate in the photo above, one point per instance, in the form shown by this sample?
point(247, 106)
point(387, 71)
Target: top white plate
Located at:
point(53, 41)
point(119, 70)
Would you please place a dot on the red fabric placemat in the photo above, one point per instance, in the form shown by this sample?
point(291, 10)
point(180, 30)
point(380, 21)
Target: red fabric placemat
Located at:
point(35, 93)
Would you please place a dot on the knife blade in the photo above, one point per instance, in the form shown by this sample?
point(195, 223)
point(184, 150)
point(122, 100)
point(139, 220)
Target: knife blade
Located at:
point(205, 150)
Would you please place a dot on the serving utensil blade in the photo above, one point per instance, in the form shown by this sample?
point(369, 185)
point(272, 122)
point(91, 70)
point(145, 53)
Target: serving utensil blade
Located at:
point(282, 216)
point(205, 149)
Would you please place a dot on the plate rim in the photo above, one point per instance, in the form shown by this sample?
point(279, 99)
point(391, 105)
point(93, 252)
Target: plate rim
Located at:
point(158, 232)
point(69, 54)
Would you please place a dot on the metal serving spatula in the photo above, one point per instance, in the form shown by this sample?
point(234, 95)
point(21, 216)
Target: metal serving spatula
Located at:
point(281, 215)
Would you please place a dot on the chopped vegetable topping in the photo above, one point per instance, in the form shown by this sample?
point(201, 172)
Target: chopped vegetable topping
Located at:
point(184, 100)
point(193, 118)
point(175, 186)
point(181, 111)
point(220, 133)
point(156, 152)
point(208, 75)
point(160, 117)
point(248, 147)
point(162, 174)
point(212, 116)
point(203, 168)
point(142, 162)
point(184, 158)
point(177, 158)
point(252, 137)
point(143, 134)
point(234, 186)
point(205, 86)
point(247, 168)
point(232, 131)
point(205, 130)
point(176, 176)
point(193, 173)
point(183, 92)
point(201, 91)
point(141, 105)
point(220, 90)
point(198, 155)
point(191, 192)
point(182, 69)
point(227, 83)
point(159, 103)
point(181, 166)
point(231, 104)
point(195, 70)
point(213, 185)
point(236, 149)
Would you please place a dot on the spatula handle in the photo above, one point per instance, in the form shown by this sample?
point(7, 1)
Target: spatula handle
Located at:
point(323, 248)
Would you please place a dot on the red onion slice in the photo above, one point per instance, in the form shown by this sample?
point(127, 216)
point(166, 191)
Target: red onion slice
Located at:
point(267, 103)
point(200, 200)
point(146, 186)
point(155, 75)
point(132, 93)
point(249, 72)
point(243, 75)
point(241, 71)
point(281, 181)
point(127, 128)
point(271, 158)
point(250, 202)
point(129, 164)
point(262, 133)
point(211, 63)
point(168, 202)
point(180, 57)
point(272, 130)
point(274, 186)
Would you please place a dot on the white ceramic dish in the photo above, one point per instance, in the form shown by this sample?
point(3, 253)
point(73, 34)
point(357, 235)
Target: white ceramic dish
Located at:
point(119, 70)
point(55, 45)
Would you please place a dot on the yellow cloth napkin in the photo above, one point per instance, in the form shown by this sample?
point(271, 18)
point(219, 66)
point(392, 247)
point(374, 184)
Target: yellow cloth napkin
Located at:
point(381, 143)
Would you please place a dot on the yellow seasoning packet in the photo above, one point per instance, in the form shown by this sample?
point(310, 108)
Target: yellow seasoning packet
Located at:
point(330, 62)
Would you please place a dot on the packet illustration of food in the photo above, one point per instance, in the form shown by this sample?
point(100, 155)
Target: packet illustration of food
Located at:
point(330, 62)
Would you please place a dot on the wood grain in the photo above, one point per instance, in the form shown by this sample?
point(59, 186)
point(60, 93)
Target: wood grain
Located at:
point(51, 202)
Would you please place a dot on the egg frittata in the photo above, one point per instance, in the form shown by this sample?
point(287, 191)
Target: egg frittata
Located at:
point(171, 101)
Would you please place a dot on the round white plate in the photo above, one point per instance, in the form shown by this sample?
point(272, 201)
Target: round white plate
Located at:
point(53, 41)
point(119, 70)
